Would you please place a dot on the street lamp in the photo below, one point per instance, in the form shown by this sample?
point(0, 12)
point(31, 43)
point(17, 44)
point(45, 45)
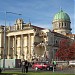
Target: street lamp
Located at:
point(5, 38)
point(4, 43)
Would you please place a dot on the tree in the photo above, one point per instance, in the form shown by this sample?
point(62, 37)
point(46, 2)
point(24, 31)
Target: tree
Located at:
point(66, 50)
point(71, 52)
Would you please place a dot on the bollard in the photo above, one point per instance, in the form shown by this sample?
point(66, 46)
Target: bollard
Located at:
point(53, 68)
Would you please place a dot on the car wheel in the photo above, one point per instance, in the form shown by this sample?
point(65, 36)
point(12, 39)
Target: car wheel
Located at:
point(36, 68)
point(47, 68)
point(51, 68)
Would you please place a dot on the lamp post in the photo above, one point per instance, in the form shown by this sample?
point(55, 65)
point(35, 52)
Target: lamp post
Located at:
point(5, 38)
point(4, 43)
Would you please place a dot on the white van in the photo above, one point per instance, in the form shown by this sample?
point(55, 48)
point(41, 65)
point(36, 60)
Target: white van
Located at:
point(72, 62)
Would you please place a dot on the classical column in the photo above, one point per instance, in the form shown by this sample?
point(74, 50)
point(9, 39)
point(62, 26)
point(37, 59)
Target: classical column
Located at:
point(21, 51)
point(29, 46)
point(15, 47)
point(8, 48)
point(0, 52)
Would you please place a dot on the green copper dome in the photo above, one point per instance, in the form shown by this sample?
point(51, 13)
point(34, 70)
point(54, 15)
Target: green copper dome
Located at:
point(61, 16)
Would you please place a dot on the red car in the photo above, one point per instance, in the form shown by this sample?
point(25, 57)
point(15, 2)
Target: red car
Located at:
point(41, 65)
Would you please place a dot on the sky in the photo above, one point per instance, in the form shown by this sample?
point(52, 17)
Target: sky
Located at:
point(38, 12)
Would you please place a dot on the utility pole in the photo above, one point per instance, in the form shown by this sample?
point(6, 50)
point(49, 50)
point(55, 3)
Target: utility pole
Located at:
point(4, 43)
point(4, 51)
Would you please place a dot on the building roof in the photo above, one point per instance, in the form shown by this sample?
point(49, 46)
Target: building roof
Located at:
point(37, 27)
point(59, 35)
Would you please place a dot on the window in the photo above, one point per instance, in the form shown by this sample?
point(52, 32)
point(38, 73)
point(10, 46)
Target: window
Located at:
point(65, 24)
point(56, 42)
point(42, 41)
point(62, 24)
point(59, 25)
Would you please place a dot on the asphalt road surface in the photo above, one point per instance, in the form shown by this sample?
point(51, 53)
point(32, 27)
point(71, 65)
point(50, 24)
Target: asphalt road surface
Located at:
point(66, 71)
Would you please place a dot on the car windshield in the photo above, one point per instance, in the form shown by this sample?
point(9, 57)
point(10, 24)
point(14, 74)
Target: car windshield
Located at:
point(41, 63)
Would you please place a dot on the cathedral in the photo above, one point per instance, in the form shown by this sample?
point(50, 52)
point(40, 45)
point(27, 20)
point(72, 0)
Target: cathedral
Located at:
point(30, 42)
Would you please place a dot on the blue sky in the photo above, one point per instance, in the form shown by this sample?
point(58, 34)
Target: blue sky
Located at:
point(39, 12)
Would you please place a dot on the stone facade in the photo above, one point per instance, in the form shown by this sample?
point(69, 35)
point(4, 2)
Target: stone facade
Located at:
point(26, 41)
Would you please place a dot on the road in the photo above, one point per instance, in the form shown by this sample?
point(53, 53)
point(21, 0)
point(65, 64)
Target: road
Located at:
point(66, 71)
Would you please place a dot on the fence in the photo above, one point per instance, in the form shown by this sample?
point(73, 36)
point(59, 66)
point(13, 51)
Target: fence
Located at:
point(10, 63)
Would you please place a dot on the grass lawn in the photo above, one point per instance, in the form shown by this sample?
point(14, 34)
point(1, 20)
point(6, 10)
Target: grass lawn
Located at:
point(33, 73)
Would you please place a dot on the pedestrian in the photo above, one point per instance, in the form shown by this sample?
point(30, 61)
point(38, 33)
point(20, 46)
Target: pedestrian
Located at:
point(61, 68)
point(19, 65)
point(0, 70)
point(54, 64)
point(26, 65)
point(23, 66)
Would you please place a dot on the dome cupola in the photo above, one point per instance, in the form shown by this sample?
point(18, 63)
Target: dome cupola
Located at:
point(61, 15)
point(61, 23)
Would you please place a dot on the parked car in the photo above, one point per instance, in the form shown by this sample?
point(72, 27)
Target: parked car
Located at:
point(42, 66)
